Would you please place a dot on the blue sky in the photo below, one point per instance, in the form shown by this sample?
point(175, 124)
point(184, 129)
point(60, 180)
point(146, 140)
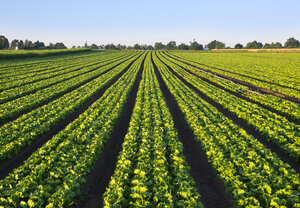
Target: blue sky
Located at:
point(145, 22)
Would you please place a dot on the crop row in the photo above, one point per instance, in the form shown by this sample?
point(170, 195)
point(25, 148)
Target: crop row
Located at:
point(276, 128)
point(288, 108)
point(54, 174)
point(151, 170)
point(16, 107)
point(53, 70)
point(28, 65)
point(22, 131)
point(252, 174)
point(244, 68)
point(72, 72)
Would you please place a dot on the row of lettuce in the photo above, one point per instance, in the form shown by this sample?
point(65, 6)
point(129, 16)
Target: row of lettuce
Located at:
point(151, 170)
point(24, 130)
point(14, 90)
point(19, 78)
point(285, 107)
point(54, 174)
point(252, 174)
point(274, 127)
point(35, 94)
point(279, 75)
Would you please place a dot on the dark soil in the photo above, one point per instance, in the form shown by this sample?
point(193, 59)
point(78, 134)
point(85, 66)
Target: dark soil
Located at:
point(243, 124)
point(7, 166)
point(240, 95)
point(211, 188)
point(12, 118)
point(99, 178)
point(250, 86)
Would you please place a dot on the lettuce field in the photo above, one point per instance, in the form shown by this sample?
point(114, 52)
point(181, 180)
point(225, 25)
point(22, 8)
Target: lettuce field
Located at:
point(150, 129)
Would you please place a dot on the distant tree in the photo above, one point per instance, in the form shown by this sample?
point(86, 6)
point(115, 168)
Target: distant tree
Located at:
point(110, 47)
point(129, 47)
point(59, 46)
point(267, 45)
point(215, 45)
point(183, 46)
point(273, 45)
point(238, 46)
point(86, 45)
point(159, 46)
point(171, 45)
point(73, 46)
point(94, 46)
point(144, 47)
point(121, 47)
point(21, 44)
point(14, 44)
point(102, 47)
point(150, 47)
point(276, 45)
point(254, 45)
point(78, 46)
point(4, 44)
point(292, 43)
point(137, 47)
point(195, 46)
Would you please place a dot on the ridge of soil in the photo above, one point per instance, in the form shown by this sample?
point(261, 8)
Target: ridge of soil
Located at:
point(239, 95)
point(211, 188)
point(275, 148)
point(249, 85)
point(99, 178)
point(7, 166)
point(12, 118)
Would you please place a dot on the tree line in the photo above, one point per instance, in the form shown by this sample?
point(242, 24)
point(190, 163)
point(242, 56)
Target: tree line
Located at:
point(28, 44)
point(194, 45)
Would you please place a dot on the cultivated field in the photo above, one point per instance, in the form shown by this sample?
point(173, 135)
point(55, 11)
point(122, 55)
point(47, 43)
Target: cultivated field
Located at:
point(151, 129)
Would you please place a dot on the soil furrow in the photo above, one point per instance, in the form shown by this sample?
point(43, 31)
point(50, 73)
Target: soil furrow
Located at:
point(250, 86)
point(239, 95)
point(99, 178)
point(211, 188)
point(58, 96)
point(243, 124)
point(7, 166)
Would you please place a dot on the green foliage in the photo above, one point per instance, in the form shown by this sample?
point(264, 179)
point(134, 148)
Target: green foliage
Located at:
point(215, 45)
point(264, 121)
point(171, 45)
point(273, 45)
point(252, 174)
point(94, 46)
point(159, 46)
point(183, 46)
point(23, 131)
point(254, 45)
point(54, 175)
point(4, 44)
point(292, 43)
point(238, 46)
point(151, 170)
point(195, 46)
point(5, 55)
